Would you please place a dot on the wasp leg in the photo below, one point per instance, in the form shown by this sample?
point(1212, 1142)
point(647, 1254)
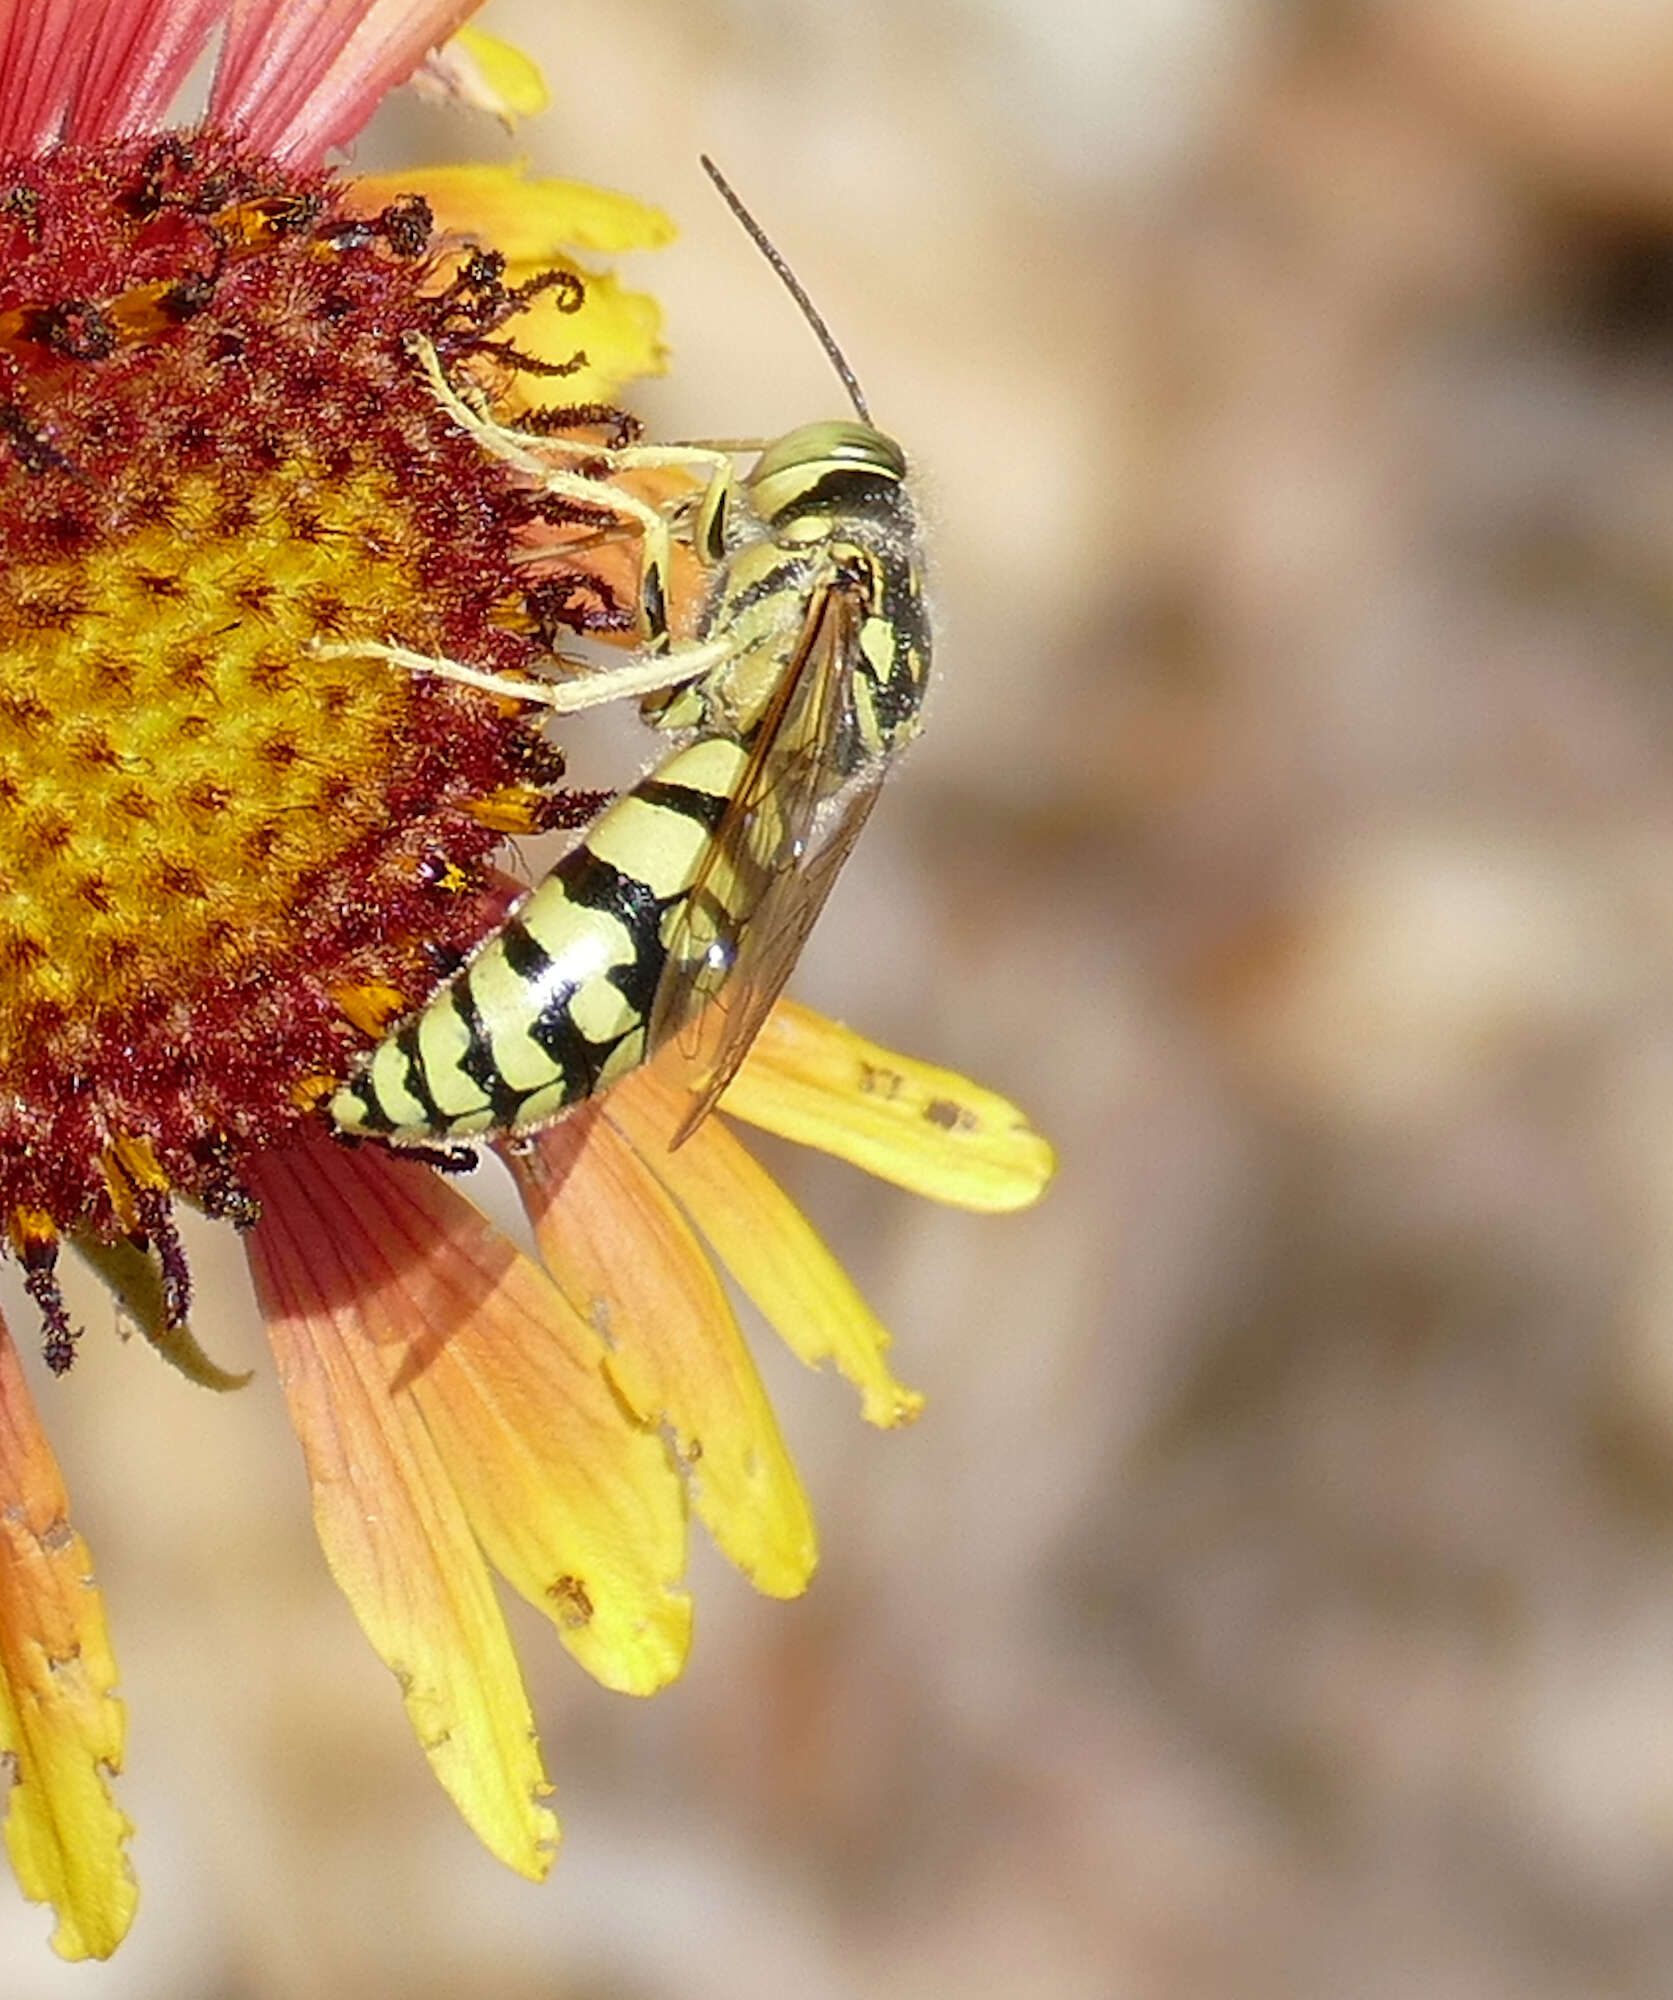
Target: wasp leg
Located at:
point(533, 455)
point(649, 674)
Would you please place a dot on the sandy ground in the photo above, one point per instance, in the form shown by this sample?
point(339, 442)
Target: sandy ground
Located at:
point(1277, 1598)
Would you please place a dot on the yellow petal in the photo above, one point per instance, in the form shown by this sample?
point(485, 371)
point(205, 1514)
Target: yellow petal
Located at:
point(767, 1244)
point(618, 330)
point(532, 221)
point(485, 74)
point(924, 1128)
point(60, 1725)
point(620, 1249)
point(393, 1530)
point(537, 224)
point(575, 1505)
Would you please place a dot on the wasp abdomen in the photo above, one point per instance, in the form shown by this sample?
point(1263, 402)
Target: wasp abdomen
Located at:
point(557, 1004)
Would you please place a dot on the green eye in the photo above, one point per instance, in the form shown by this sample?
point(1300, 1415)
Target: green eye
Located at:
point(795, 469)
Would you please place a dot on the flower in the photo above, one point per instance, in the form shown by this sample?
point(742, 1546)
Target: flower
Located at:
point(231, 851)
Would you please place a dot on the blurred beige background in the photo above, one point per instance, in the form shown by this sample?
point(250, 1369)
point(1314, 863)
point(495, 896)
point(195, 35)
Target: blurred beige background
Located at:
point(1277, 1598)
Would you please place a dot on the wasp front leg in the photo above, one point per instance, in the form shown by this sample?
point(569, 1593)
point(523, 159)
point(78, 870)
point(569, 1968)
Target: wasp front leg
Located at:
point(710, 516)
point(660, 665)
point(532, 454)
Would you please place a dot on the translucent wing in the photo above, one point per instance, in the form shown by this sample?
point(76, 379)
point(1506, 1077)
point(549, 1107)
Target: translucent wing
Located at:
point(768, 951)
point(771, 864)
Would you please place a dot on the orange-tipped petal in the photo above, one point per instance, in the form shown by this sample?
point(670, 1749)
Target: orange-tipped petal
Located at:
point(60, 1725)
point(626, 1257)
point(766, 1242)
point(575, 1505)
point(394, 1532)
point(926, 1129)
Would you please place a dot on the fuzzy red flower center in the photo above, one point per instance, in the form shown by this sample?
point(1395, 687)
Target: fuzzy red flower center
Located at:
point(227, 855)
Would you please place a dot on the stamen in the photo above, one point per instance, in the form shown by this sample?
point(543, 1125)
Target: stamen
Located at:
point(37, 1247)
point(531, 364)
point(308, 1093)
point(370, 1007)
point(139, 1162)
point(229, 1200)
point(156, 1214)
point(512, 809)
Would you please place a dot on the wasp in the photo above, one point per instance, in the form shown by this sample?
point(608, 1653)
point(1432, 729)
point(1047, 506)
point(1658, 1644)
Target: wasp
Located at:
point(681, 912)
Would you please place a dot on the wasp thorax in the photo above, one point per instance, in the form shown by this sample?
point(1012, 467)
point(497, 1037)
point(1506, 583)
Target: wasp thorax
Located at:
point(219, 845)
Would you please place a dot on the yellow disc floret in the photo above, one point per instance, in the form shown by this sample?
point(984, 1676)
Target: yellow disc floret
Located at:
point(172, 781)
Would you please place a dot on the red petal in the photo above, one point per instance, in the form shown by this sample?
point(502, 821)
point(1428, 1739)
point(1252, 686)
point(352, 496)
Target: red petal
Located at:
point(297, 77)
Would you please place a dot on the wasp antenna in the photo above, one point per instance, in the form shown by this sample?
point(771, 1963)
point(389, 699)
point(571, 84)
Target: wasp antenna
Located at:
point(792, 284)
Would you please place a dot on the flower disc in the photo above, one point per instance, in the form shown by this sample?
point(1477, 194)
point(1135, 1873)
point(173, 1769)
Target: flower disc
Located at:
point(223, 849)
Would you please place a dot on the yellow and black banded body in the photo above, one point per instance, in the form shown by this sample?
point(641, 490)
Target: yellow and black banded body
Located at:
point(681, 911)
point(557, 1004)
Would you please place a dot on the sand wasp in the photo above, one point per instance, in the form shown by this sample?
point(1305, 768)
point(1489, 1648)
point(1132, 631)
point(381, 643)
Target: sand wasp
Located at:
point(681, 912)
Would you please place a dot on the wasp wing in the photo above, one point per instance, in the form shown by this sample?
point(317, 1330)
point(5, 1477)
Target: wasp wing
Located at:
point(771, 862)
point(769, 949)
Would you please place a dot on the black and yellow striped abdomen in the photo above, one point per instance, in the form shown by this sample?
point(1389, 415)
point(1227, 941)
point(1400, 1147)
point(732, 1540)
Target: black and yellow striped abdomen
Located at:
point(556, 1005)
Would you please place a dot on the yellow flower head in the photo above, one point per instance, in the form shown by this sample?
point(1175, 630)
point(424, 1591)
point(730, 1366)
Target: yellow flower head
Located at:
point(239, 836)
